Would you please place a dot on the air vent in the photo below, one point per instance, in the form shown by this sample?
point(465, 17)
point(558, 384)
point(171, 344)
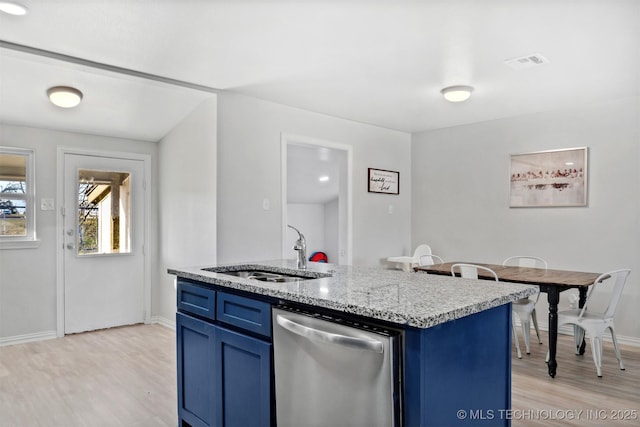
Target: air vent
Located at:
point(527, 61)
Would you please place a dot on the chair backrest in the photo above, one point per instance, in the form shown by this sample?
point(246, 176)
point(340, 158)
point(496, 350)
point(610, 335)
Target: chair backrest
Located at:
point(431, 259)
point(619, 277)
point(422, 250)
point(470, 271)
point(525, 261)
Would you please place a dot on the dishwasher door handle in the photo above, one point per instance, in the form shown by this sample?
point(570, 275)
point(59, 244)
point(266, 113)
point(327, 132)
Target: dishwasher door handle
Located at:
point(330, 337)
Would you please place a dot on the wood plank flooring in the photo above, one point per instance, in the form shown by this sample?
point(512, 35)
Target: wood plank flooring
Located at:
point(114, 377)
point(576, 392)
point(126, 377)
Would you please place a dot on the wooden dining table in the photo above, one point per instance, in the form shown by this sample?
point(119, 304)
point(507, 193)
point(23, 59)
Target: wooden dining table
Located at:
point(551, 282)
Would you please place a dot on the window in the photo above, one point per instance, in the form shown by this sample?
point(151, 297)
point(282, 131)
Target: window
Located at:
point(17, 198)
point(104, 212)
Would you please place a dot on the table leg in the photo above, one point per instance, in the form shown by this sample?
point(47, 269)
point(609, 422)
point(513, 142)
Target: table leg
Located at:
point(553, 297)
point(581, 301)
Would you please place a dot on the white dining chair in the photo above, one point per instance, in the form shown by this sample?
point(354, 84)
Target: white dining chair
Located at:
point(406, 263)
point(593, 323)
point(470, 271)
point(525, 261)
point(431, 259)
point(525, 308)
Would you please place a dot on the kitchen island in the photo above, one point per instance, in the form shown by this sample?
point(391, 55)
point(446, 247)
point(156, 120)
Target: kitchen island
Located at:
point(456, 352)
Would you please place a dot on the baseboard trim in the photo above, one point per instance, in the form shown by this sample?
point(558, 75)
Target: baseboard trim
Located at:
point(22, 339)
point(171, 324)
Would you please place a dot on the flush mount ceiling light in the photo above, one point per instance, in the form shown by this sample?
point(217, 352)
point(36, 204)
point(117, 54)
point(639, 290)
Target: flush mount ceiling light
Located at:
point(12, 8)
point(457, 93)
point(64, 96)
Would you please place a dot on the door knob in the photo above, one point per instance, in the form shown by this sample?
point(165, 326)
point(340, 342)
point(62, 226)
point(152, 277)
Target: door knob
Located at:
point(69, 245)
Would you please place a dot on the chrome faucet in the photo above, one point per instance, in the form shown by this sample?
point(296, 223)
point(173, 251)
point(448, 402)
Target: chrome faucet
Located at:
point(301, 248)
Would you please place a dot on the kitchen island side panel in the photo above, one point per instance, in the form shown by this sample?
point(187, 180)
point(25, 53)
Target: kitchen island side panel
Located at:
point(459, 373)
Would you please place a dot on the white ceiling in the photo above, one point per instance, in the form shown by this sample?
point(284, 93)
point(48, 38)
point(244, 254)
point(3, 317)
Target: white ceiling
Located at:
point(380, 62)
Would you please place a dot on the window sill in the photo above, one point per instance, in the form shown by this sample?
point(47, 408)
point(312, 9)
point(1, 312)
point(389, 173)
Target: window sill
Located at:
point(19, 244)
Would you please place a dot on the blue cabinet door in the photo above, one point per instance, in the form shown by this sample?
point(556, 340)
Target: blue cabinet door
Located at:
point(196, 371)
point(224, 377)
point(243, 380)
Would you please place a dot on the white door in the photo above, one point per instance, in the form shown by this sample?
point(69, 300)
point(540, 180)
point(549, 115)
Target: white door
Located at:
point(103, 242)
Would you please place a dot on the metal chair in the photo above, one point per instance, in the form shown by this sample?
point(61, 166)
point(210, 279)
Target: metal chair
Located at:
point(470, 271)
point(525, 308)
point(594, 324)
point(525, 261)
point(430, 259)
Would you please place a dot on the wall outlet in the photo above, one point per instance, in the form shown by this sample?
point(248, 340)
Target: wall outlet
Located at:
point(265, 204)
point(47, 204)
point(390, 209)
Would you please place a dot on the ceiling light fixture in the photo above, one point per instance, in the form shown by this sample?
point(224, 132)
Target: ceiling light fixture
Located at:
point(457, 93)
point(64, 96)
point(323, 178)
point(12, 8)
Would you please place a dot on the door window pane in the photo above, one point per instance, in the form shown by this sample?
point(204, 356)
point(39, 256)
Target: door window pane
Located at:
point(104, 212)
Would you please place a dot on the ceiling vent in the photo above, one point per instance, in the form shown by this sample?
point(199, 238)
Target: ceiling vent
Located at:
point(526, 61)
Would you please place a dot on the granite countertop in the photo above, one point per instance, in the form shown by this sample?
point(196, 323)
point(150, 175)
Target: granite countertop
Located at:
point(407, 298)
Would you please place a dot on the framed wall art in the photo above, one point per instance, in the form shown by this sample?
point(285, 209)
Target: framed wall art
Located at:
point(384, 181)
point(549, 178)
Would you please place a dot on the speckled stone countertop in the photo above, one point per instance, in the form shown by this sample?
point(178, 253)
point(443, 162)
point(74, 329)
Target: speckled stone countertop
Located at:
point(415, 299)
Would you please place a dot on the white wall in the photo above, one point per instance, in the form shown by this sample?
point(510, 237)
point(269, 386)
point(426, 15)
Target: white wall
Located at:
point(309, 219)
point(187, 182)
point(28, 276)
point(331, 230)
point(461, 195)
point(249, 159)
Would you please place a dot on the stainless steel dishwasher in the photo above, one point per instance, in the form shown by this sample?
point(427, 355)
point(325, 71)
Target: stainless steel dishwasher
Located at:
point(335, 372)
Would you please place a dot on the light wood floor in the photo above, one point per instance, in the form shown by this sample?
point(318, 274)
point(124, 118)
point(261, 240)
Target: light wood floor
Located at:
point(114, 377)
point(126, 377)
point(539, 400)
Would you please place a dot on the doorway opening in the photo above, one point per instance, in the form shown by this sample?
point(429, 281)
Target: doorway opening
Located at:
point(316, 197)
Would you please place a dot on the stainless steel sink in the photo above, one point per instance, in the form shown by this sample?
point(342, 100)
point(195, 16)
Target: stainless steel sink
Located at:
point(265, 274)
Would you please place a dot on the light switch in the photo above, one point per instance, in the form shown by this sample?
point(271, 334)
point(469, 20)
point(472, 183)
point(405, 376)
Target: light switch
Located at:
point(265, 204)
point(47, 204)
point(390, 210)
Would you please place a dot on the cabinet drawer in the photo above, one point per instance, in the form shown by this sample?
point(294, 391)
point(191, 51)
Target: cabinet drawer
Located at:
point(196, 300)
point(245, 313)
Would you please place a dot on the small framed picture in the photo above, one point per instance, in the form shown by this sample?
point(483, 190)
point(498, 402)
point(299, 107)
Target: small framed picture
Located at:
point(549, 178)
point(384, 181)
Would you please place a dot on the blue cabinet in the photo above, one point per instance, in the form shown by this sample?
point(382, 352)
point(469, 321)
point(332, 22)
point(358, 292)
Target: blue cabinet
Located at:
point(245, 313)
point(459, 373)
point(224, 373)
point(196, 300)
point(455, 373)
point(243, 380)
point(196, 371)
